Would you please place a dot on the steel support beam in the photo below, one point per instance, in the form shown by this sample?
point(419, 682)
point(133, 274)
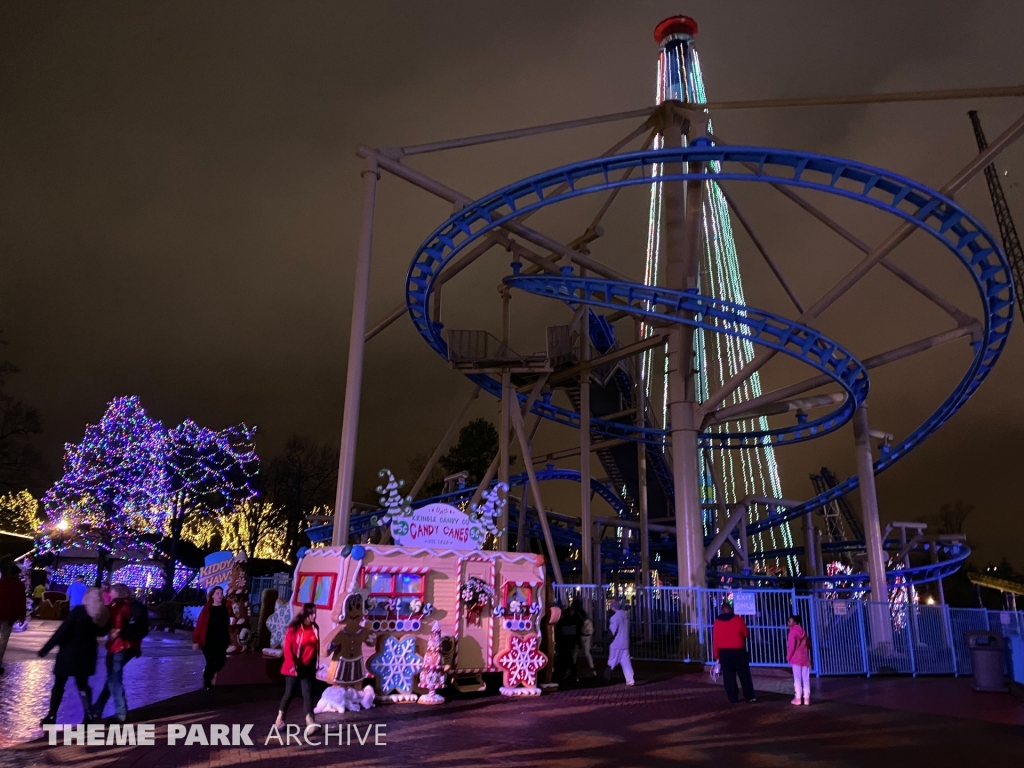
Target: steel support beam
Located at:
point(892, 356)
point(586, 527)
point(549, 542)
point(641, 462)
point(354, 372)
point(443, 445)
point(900, 234)
point(869, 506)
point(812, 101)
point(507, 406)
point(445, 192)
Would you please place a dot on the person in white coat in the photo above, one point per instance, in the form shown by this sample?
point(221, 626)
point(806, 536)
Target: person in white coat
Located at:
point(618, 648)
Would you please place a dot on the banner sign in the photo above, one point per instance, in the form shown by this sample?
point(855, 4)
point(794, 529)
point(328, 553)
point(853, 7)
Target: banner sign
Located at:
point(438, 526)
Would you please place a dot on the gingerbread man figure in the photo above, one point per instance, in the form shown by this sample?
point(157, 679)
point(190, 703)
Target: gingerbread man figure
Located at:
point(345, 647)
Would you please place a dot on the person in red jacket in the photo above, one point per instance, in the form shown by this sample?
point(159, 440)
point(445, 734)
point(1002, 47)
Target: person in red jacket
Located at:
point(120, 650)
point(12, 607)
point(729, 647)
point(301, 648)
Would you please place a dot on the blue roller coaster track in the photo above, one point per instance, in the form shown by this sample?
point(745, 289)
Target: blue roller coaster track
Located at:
point(930, 211)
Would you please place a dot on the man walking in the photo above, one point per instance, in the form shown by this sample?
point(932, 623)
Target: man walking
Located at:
point(729, 647)
point(618, 649)
point(12, 607)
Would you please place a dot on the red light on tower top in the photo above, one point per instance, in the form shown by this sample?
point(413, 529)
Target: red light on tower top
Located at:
point(674, 27)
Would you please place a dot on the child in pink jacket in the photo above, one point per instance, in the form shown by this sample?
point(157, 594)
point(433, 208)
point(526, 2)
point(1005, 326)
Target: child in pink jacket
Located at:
point(798, 655)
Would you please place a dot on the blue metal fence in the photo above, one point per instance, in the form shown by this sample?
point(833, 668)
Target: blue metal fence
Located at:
point(848, 637)
point(281, 582)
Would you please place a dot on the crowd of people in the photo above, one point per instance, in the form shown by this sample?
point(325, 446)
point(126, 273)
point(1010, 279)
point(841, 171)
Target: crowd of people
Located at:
point(93, 613)
point(114, 614)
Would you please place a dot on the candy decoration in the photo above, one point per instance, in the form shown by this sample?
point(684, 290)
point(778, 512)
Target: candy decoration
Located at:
point(358, 552)
point(521, 662)
point(396, 667)
point(433, 675)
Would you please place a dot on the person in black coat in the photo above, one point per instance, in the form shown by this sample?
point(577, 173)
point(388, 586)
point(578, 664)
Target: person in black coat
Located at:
point(567, 638)
point(76, 658)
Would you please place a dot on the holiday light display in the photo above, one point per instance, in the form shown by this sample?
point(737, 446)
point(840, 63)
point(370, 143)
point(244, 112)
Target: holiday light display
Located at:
point(745, 471)
point(207, 470)
point(115, 484)
point(396, 505)
point(145, 576)
point(128, 482)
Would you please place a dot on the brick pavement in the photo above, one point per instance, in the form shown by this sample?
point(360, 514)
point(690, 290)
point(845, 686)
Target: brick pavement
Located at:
point(167, 667)
point(664, 722)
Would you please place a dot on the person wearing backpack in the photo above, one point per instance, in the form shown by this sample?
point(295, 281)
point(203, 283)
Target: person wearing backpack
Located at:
point(129, 623)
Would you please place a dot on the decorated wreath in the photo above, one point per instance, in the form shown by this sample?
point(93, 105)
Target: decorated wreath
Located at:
point(476, 595)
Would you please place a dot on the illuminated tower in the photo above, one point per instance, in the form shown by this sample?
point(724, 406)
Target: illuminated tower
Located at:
point(746, 471)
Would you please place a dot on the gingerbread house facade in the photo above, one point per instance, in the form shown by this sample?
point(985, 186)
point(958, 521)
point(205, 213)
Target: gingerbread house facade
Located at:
point(480, 598)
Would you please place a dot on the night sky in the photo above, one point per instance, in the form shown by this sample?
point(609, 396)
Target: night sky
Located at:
point(180, 204)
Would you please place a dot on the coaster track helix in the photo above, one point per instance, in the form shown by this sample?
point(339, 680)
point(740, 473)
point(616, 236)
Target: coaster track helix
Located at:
point(930, 211)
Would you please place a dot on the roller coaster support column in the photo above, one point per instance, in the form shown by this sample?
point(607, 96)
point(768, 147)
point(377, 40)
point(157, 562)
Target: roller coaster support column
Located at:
point(507, 398)
point(682, 206)
point(641, 463)
point(586, 519)
point(881, 626)
point(811, 561)
point(356, 344)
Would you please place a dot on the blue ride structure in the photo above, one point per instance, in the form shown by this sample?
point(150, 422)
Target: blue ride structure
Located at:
point(715, 476)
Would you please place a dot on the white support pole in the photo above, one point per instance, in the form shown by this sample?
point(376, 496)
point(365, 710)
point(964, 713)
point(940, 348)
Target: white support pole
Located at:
point(879, 618)
point(507, 398)
point(586, 519)
point(542, 515)
point(354, 374)
point(524, 519)
point(869, 506)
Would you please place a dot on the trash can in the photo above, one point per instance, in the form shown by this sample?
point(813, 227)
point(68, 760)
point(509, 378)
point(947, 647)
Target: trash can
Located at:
point(988, 654)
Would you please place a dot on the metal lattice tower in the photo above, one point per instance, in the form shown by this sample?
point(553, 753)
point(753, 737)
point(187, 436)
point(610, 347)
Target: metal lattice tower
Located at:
point(1007, 231)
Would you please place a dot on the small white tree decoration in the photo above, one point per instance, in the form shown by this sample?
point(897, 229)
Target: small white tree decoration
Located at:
point(490, 511)
point(394, 503)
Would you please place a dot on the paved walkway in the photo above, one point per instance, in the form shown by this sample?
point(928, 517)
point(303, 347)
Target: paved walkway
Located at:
point(168, 666)
point(680, 720)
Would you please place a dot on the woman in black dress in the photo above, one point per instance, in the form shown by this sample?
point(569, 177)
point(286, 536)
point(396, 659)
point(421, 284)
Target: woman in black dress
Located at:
point(211, 634)
point(76, 658)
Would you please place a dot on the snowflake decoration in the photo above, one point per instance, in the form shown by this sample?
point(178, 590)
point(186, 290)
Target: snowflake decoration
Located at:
point(277, 624)
point(522, 661)
point(397, 665)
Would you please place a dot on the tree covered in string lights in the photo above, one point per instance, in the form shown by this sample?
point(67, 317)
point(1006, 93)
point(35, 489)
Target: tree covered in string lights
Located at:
point(129, 478)
point(115, 484)
point(208, 472)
